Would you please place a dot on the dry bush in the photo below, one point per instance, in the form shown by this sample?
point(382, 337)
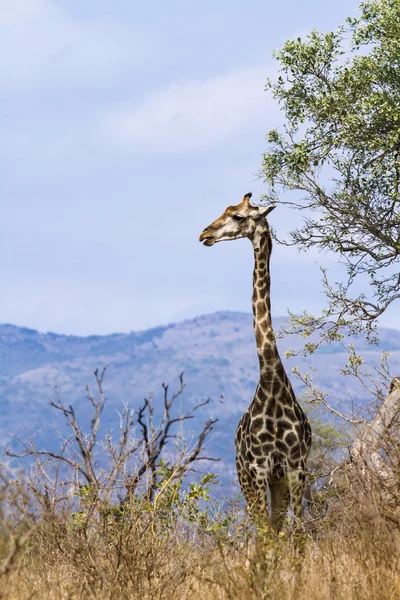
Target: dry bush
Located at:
point(161, 552)
point(62, 537)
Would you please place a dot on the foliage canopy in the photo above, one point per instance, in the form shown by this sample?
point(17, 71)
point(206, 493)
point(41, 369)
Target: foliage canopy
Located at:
point(339, 153)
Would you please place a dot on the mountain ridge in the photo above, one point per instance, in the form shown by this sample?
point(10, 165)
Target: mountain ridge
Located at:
point(216, 352)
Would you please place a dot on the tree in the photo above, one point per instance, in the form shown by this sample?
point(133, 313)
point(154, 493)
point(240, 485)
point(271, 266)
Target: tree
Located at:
point(339, 150)
point(103, 468)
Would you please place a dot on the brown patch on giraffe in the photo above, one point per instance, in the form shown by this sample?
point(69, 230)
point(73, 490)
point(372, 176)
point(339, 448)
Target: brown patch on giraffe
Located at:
point(261, 393)
point(257, 409)
point(282, 428)
point(295, 452)
point(257, 450)
point(265, 326)
point(270, 336)
point(308, 436)
point(277, 387)
point(268, 355)
point(286, 400)
point(259, 312)
point(290, 439)
point(290, 414)
point(266, 436)
point(249, 455)
point(269, 425)
point(298, 412)
point(280, 445)
point(262, 363)
point(267, 372)
point(268, 448)
point(259, 336)
point(245, 421)
point(257, 425)
point(253, 472)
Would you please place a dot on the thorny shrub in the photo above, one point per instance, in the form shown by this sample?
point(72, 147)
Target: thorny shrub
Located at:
point(67, 536)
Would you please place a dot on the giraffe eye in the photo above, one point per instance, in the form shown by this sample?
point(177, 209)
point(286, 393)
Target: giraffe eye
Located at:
point(238, 218)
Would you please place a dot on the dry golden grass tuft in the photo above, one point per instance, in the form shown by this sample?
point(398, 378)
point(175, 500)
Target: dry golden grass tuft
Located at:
point(170, 552)
point(73, 531)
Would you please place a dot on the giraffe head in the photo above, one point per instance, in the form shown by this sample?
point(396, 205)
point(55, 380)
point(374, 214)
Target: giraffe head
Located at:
point(236, 222)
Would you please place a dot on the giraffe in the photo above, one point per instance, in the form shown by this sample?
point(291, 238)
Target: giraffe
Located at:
point(273, 438)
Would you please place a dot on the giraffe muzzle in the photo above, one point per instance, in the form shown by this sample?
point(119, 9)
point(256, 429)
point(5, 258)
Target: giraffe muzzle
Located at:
point(206, 238)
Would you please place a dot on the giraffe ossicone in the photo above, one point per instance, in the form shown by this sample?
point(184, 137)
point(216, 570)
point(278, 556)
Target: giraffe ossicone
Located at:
point(273, 438)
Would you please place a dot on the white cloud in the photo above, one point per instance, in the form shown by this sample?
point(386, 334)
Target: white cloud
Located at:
point(48, 51)
point(194, 115)
point(41, 41)
point(12, 12)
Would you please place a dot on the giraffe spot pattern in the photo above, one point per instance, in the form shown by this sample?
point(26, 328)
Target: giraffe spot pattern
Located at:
point(273, 438)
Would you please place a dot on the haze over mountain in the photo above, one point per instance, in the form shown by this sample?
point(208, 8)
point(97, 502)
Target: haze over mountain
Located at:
point(216, 352)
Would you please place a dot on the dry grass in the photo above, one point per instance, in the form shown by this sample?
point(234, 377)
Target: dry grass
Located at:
point(353, 552)
point(61, 540)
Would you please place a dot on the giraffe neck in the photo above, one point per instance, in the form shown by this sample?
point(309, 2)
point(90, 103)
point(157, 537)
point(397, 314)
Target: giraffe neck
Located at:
point(267, 350)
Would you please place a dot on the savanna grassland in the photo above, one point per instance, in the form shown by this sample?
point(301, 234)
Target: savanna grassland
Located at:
point(155, 551)
point(114, 537)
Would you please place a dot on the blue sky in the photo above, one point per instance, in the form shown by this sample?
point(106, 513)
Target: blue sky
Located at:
point(126, 128)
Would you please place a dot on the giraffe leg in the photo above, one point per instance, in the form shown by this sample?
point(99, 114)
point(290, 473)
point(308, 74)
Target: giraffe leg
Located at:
point(255, 494)
point(296, 488)
point(280, 497)
point(258, 509)
point(256, 504)
point(256, 499)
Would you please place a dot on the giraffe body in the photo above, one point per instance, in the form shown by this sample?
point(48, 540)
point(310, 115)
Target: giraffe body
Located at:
point(273, 438)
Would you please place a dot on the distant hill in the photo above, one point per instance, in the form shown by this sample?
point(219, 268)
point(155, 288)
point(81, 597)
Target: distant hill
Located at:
point(216, 352)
